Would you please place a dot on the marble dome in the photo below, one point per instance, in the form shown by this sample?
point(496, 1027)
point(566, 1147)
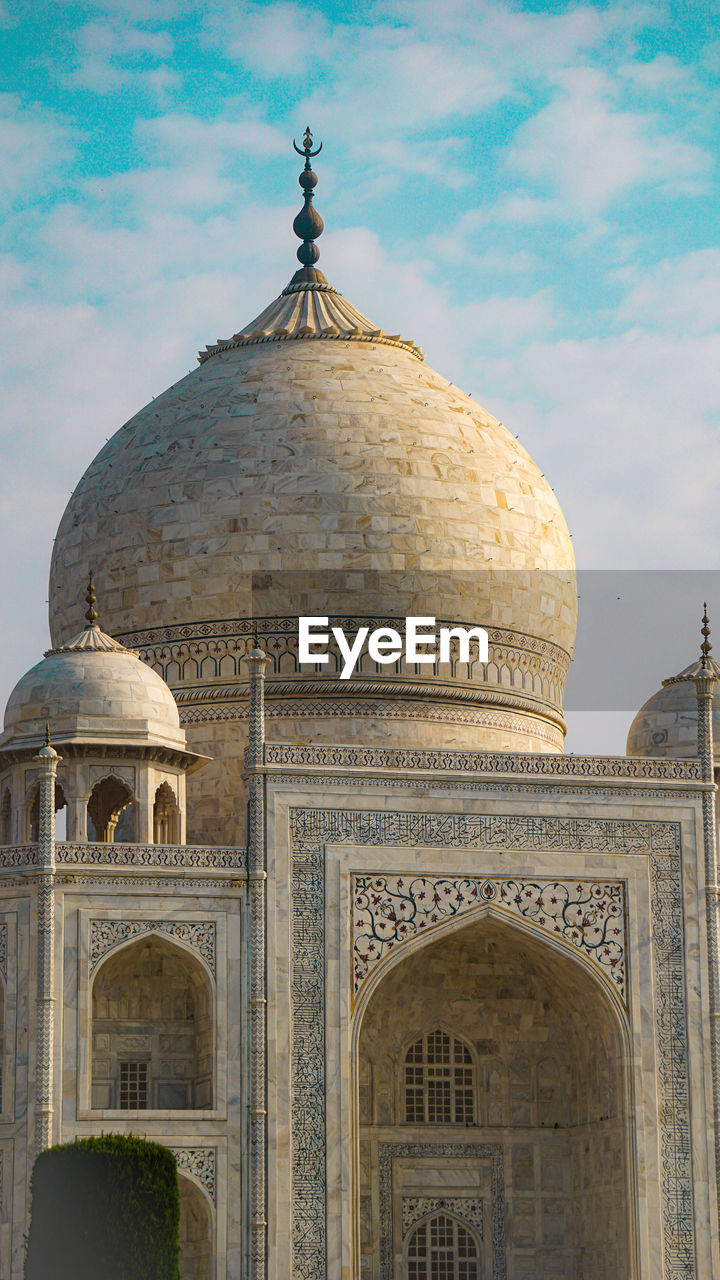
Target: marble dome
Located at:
point(666, 725)
point(313, 463)
point(92, 691)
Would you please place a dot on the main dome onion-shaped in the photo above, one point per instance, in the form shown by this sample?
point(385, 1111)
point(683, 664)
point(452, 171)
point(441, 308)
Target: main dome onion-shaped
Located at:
point(314, 464)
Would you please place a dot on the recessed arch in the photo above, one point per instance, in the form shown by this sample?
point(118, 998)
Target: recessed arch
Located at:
point(441, 1246)
point(3, 1014)
point(166, 816)
point(462, 920)
point(195, 1232)
point(6, 818)
point(153, 1032)
point(438, 1079)
point(552, 1048)
point(111, 811)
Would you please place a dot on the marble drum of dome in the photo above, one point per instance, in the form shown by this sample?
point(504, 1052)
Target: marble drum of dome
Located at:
point(314, 464)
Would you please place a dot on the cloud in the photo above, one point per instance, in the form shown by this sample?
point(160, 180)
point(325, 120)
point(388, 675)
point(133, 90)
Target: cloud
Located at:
point(175, 136)
point(111, 55)
point(275, 40)
point(585, 152)
point(620, 423)
point(680, 295)
point(34, 147)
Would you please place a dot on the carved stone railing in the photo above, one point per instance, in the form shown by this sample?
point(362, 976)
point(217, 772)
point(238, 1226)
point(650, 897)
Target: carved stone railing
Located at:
point(411, 760)
point(194, 857)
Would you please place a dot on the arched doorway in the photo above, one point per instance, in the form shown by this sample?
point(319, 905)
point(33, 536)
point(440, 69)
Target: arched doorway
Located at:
point(166, 816)
point(5, 818)
point(442, 1248)
point(492, 1097)
point(111, 812)
point(152, 1029)
point(195, 1232)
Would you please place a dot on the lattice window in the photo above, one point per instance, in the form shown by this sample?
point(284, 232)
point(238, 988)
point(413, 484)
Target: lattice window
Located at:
point(439, 1081)
point(133, 1086)
point(442, 1249)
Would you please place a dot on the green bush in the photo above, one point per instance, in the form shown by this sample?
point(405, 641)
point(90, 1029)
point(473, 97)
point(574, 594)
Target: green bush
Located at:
point(104, 1209)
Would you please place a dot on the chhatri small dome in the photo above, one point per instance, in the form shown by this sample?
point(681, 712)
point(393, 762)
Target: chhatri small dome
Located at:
point(92, 691)
point(314, 464)
point(667, 724)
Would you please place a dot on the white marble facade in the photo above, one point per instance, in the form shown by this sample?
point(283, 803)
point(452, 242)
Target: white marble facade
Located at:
point(420, 998)
point(545, 915)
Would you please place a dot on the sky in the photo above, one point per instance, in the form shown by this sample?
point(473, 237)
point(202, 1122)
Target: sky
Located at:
point(529, 190)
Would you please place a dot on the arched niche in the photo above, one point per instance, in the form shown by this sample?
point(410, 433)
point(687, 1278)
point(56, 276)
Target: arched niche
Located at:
point(111, 812)
point(166, 816)
point(195, 1233)
point(3, 1082)
point(549, 1049)
point(152, 1029)
point(6, 818)
point(442, 1247)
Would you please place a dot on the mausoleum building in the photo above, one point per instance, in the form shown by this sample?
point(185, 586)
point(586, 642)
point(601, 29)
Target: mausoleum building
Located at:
point(410, 994)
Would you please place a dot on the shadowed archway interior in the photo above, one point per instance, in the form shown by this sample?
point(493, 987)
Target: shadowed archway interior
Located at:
point(491, 1086)
point(195, 1233)
point(152, 1031)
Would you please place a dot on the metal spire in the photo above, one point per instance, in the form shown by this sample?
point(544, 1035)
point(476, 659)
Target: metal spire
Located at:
point(90, 597)
point(705, 647)
point(308, 224)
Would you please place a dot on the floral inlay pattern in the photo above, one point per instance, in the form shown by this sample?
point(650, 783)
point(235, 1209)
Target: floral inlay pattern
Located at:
point(106, 934)
point(199, 1163)
point(588, 915)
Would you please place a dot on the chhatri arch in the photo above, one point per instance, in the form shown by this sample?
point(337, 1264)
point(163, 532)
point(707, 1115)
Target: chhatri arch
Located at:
point(556, 1110)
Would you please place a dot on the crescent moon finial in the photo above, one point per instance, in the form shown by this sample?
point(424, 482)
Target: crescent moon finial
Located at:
point(706, 646)
point(306, 149)
point(308, 224)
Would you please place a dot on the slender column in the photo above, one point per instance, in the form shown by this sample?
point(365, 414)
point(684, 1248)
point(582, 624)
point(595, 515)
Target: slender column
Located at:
point(257, 875)
point(48, 761)
point(705, 679)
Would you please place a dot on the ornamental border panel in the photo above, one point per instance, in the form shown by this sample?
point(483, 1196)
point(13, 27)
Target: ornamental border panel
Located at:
point(198, 935)
point(492, 1151)
point(468, 1208)
point(312, 829)
point(478, 763)
point(200, 1164)
point(588, 916)
point(3, 949)
point(149, 855)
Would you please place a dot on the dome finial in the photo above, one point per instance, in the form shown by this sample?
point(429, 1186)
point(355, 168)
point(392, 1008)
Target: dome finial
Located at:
point(308, 224)
point(90, 598)
point(705, 647)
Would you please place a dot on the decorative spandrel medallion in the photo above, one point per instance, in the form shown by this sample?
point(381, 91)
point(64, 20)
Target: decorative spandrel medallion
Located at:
point(588, 916)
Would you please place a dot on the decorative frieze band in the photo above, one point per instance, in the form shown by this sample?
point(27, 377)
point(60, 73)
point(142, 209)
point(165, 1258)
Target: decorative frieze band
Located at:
point(3, 949)
point(212, 651)
point(199, 1163)
point(313, 828)
point(586, 915)
point(149, 855)
point(208, 711)
point(199, 936)
point(480, 762)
